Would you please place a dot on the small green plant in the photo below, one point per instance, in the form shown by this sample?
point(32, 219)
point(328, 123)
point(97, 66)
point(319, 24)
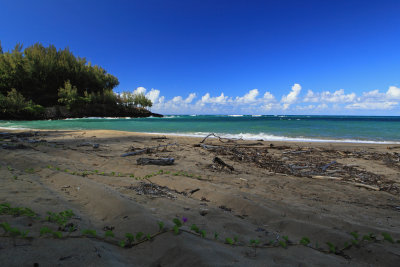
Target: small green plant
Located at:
point(57, 234)
point(6, 227)
point(9, 168)
point(108, 233)
point(139, 236)
point(283, 244)
point(160, 226)
point(130, 238)
point(203, 233)
point(387, 237)
point(355, 235)
point(30, 170)
point(254, 243)
point(216, 236)
point(229, 241)
point(148, 237)
point(45, 230)
point(332, 247)
point(305, 241)
point(89, 232)
point(195, 228)
point(121, 244)
point(60, 218)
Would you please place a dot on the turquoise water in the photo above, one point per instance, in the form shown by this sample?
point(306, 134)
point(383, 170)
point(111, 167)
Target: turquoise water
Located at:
point(296, 128)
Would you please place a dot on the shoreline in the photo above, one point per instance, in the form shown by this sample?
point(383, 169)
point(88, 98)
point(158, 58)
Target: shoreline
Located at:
point(294, 189)
point(230, 136)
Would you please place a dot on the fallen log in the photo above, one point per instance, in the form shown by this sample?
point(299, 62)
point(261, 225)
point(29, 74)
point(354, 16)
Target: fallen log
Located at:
point(160, 161)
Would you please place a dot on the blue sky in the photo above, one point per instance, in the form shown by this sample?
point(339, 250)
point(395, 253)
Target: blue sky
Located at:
point(229, 57)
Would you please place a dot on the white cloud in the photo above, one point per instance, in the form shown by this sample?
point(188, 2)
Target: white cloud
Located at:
point(257, 102)
point(291, 98)
point(373, 105)
point(336, 97)
point(139, 90)
point(190, 98)
point(393, 92)
point(249, 97)
point(153, 95)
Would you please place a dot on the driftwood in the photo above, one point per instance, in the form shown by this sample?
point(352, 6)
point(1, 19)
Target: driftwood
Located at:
point(327, 165)
point(297, 152)
point(371, 187)
point(158, 138)
point(160, 161)
point(88, 144)
point(145, 150)
point(219, 161)
point(320, 177)
point(219, 138)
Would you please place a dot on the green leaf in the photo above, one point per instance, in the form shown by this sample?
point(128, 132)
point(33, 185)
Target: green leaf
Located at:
point(89, 232)
point(332, 247)
point(216, 236)
point(228, 241)
point(109, 233)
point(122, 244)
point(283, 244)
point(130, 237)
point(15, 231)
point(139, 236)
point(57, 234)
point(6, 227)
point(176, 229)
point(387, 237)
point(148, 236)
point(177, 222)
point(194, 228)
point(305, 241)
point(161, 226)
point(203, 233)
point(45, 230)
point(354, 234)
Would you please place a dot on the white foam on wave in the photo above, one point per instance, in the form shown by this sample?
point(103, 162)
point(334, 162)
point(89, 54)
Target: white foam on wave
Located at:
point(269, 137)
point(235, 115)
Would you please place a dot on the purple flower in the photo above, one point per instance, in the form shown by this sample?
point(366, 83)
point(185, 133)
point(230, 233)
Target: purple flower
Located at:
point(184, 219)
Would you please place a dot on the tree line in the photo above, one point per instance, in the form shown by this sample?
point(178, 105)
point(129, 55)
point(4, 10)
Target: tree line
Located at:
point(38, 77)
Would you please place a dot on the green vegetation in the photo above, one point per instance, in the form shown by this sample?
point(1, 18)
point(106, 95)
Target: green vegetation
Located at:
point(130, 240)
point(39, 77)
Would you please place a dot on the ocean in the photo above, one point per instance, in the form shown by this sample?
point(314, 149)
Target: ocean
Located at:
point(353, 129)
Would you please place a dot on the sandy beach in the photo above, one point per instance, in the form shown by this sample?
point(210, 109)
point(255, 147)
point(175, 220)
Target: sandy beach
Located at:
point(276, 193)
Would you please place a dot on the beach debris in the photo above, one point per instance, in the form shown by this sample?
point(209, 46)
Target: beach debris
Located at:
point(88, 144)
point(147, 150)
point(223, 207)
point(323, 168)
point(153, 190)
point(221, 163)
point(159, 137)
point(221, 139)
point(203, 212)
point(311, 163)
point(160, 161)
point(194, 191)
point(13, 147)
